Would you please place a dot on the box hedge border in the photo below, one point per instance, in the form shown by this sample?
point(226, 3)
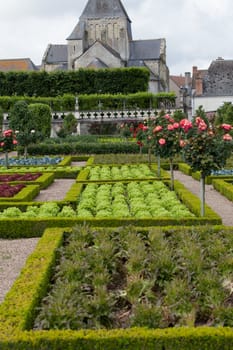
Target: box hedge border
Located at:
point(18, 310)
point(209, 179)
point(67, 172)
point(224, 187)
point(43, 180)
point(28, 193)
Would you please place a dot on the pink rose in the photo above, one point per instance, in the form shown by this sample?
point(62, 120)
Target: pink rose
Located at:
point(162, 141)
point(157, 129)
point(227, 137)
point(198, 120)
point(185, 124)
point(7, 133)
point(182, 143)
point(202, 125)
point(226, 127)
point(170, 127)
point(176, 125)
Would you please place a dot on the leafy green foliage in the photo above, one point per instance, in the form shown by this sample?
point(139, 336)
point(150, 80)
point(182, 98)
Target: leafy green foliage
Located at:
point(42, 118)
point(23, 124)
point(69, 125)
point(83, 81)
point(125, 277)
point(224, 114)
point(135, 199)
point(139, 171)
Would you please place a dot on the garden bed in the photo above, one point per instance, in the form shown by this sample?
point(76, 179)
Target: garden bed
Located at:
point(9, 191)
point(134, 199)
point(126, 277)
point(19, 309)
point(124, 172)
point(18, 193)
point(32, 161)
point(19, 177)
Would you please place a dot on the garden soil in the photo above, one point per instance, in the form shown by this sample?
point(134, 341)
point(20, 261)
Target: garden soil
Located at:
point(13, 253)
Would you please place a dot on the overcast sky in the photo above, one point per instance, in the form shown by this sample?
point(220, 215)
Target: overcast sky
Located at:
point(196, 31)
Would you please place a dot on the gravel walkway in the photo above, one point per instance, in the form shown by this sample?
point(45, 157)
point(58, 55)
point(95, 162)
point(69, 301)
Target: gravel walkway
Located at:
point(220, 204)
point(56, 191)
point(13, 253)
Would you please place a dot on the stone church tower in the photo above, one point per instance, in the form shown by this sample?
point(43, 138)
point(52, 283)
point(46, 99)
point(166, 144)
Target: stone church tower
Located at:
point(104, 26)
point(102, 38)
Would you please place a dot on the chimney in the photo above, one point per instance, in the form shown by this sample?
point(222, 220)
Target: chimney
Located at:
point(194, 70)
point(187, 79)
point(199, 85)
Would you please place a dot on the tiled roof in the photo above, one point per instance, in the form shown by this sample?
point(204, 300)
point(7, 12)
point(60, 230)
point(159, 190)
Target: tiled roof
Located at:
point(17, 64)
point(179, 80)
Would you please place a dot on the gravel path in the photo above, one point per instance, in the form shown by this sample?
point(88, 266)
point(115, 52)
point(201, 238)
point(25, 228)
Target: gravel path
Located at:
point(220, 204)
point(56, 191)
point(13, 253)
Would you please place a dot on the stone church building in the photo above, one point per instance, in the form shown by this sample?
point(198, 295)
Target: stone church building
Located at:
point(103, 38)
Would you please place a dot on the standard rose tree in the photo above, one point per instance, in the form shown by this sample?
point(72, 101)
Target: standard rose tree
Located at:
point(7, 143)
point(205, 148)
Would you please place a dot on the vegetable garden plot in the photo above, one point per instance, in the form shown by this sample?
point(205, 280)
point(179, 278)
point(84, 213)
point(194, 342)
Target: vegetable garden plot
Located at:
point(134, 200)
point(8, 191)
point(138, 171)
point(19, 177)
point(152, 278)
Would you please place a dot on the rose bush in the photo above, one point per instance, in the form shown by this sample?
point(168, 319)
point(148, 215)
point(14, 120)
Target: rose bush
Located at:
point(206, 147)
point(7, 143)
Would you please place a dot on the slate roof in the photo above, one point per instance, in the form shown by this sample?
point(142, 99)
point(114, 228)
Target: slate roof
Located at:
point(145, 49)
point(56, 54)
point(219, 79)
point(17, 64)
point(104, 8)
point(98, 9)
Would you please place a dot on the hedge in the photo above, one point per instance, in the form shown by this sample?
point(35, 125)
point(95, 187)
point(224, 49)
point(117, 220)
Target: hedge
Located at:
point(225, 187)
point(18, 309)
point(75, 148)
point(83, 81)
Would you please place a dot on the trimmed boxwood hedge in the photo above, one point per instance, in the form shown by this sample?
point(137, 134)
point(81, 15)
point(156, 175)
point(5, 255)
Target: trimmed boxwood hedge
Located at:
point(225, 187)
point(75, 148)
